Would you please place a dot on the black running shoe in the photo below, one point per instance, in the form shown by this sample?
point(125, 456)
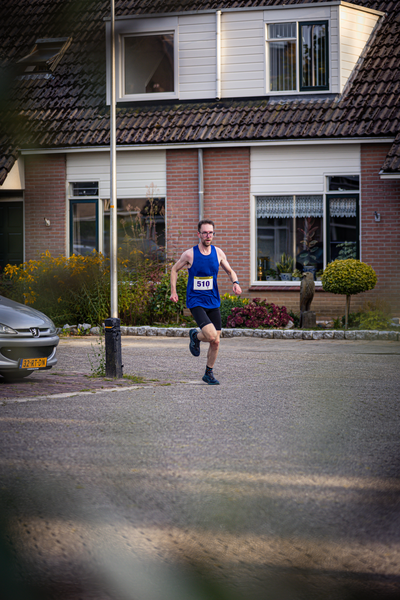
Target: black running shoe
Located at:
point(194, 345)
point(210, 379)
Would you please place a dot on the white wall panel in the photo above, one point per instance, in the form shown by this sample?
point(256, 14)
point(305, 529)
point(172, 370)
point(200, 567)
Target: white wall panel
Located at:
point(334, 73)
point(197, 56)
point(243, 54)
point(136, 171)
point(355, 29)
point(296, 14)
point(300, 169)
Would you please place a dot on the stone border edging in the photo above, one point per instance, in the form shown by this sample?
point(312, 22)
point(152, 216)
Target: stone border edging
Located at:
point(286, 334)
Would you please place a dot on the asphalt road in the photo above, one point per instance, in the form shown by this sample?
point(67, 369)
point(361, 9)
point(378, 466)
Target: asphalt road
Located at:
point(282, 483)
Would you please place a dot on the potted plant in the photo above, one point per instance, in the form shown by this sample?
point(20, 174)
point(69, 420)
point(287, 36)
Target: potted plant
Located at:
point(309, 255)
point(271, 275)
point(285, 267)
point(296, 275)
point(347, 250)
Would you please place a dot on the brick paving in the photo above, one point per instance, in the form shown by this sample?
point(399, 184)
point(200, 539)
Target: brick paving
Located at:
point(46, 383)
point(64, 379)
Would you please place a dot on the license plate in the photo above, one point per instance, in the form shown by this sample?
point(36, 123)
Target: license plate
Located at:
point(32, 363)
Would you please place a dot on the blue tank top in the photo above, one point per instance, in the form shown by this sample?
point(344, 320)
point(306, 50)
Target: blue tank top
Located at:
point(202, 287)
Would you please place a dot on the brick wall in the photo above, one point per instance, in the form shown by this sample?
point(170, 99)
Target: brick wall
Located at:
point(182, 205)
point(380, 241)
point(326, 305)
point(226, 202)
point(45, 177)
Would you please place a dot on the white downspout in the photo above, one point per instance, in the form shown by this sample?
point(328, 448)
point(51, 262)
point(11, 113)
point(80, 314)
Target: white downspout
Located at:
point(218, 54)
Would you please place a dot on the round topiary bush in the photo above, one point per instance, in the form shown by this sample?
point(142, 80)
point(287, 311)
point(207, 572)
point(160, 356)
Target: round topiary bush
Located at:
point(348, 277)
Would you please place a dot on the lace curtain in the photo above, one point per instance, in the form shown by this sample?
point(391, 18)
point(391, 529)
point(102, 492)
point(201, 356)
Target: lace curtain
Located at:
point(285, 207)
point(343, 207)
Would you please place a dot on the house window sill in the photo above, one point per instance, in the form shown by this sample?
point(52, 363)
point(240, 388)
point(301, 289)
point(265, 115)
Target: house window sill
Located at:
point(278, 286)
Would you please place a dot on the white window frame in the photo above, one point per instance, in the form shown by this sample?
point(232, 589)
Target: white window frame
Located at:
point(324, 194)
point(135, 27)
point(267, 56)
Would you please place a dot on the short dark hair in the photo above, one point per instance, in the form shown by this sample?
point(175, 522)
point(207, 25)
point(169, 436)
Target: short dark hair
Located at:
point(205, 222)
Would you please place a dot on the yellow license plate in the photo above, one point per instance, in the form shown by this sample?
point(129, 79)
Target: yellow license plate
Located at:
point(32, 363)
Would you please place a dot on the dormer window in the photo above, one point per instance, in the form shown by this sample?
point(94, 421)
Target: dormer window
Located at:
point(149, 64)
point(45, 55)
point(298, 56)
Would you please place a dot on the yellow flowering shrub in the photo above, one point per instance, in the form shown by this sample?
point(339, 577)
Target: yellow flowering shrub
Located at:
point(76, 289)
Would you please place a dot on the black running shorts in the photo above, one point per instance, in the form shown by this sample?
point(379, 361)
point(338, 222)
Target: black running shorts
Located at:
point(205, 316)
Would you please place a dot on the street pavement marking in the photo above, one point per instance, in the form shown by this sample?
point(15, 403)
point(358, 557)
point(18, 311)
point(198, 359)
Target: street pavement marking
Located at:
point(71, 394)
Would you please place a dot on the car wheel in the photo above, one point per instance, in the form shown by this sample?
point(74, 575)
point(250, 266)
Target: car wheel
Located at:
point(10, 377)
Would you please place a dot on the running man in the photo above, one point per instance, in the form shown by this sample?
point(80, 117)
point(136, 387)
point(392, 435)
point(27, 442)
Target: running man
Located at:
point(202, 296)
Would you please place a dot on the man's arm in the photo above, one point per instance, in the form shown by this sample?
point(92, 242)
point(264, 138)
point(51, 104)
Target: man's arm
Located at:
point(185, 260)
point(230, 272)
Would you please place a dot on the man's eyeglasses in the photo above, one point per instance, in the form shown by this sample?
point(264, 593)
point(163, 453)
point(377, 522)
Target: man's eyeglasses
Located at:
point(207, 233)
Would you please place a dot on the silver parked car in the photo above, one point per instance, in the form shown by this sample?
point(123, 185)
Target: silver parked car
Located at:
point(28, 340)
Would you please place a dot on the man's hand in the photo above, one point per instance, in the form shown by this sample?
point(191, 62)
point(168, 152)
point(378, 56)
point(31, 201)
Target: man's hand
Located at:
point(237, 289)
point(174, 297)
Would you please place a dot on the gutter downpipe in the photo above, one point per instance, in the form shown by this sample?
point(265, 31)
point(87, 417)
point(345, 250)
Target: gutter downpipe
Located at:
point(218, 53)
point(201, 182)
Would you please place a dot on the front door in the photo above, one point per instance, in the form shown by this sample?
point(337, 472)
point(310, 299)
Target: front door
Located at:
point(11, 234)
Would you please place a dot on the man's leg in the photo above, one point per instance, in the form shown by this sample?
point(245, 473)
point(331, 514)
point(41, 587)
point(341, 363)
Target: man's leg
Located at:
point(211, 335)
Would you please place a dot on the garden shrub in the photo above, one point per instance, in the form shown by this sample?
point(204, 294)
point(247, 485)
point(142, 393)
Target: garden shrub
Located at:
point(228, 302)
point(348, 277)
point(163, 308)
point(77, 289)
point(258, 314)
point(375, 319)
point(353, 321)
point(295, 318)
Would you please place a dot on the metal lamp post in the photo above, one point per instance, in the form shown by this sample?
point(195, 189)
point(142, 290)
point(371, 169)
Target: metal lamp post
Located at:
point(113, 324)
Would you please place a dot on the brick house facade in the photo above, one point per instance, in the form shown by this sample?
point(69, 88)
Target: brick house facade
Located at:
point(251, 135)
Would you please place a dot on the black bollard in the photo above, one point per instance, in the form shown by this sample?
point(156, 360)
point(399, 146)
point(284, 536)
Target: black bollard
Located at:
point(113, 348)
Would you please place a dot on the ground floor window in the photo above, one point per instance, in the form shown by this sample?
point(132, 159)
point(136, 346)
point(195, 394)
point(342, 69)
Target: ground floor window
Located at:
point(84, 217)
point(84, 226)
point(299, 233)
point(140, 223)
point(140, 227)
point(343, 229)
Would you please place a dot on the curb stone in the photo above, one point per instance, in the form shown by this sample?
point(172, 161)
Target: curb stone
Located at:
point(277, 334)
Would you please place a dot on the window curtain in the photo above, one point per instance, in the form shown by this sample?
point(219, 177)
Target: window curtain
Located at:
point(286, 207)
point(343, 207)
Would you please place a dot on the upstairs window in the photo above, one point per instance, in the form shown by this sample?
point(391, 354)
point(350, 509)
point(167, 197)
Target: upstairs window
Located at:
point(149, 64)
point(298, 56)
point(45, 55)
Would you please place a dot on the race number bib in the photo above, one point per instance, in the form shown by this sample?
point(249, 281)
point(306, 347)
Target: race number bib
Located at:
point(203, 283)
